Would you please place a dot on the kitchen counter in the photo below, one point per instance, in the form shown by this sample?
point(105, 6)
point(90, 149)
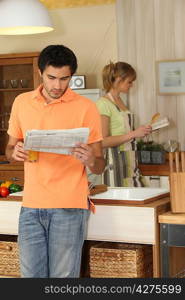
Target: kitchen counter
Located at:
point(112, 222)
point(117, 223)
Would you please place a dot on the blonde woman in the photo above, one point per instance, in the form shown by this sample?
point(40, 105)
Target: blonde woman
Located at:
point(118, 127)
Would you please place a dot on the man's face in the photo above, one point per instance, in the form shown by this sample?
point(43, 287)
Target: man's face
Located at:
point(55, 81)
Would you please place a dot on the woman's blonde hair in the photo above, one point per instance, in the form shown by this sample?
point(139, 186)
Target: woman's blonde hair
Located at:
point(112, 71)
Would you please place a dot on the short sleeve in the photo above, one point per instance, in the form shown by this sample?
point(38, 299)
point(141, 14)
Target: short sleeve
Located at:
point(103, 107)
point(92, 120)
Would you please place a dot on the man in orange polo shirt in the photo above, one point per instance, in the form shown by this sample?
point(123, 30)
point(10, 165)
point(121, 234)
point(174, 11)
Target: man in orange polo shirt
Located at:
point(55, 208)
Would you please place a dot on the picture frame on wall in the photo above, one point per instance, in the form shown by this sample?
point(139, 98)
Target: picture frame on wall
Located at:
point(171, 77)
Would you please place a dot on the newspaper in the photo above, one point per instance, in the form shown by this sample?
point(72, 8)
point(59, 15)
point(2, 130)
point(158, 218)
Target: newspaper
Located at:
point(59, 141)
point(160, 124)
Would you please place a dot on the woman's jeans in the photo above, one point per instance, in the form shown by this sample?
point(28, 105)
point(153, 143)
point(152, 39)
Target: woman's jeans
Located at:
point(50, 241)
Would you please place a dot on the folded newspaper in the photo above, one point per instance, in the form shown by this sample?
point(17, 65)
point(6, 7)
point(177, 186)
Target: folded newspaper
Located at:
point(160, 124)
point(59, 141)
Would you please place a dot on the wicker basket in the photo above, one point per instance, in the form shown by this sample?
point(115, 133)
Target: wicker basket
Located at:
point(9, 259)
point(180, 274)
point(120, 260)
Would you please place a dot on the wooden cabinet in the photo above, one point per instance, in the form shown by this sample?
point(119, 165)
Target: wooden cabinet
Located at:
point(11, 171)
point(18, 74)
point(172, 244)
point(129, 224)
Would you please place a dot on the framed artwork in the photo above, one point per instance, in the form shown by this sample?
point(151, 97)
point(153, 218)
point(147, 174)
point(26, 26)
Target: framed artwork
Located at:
point(171, 77)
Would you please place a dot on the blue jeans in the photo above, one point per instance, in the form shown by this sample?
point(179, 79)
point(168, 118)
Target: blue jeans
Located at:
point(50, 241)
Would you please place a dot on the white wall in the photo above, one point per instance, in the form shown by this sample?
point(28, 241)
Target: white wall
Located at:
point(90, 31)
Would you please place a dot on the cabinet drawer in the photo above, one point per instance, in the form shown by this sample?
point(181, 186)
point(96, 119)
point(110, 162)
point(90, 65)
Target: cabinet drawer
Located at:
point(9, 259)
point(17, 176)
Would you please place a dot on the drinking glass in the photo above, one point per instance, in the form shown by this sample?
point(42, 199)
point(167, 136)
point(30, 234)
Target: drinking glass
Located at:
point(24, 83)
point(32, 155)
point(4, 83)
point(14, 83)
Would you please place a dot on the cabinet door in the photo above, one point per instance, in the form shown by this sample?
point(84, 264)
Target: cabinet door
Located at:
point(16, 176)
point(17, 75)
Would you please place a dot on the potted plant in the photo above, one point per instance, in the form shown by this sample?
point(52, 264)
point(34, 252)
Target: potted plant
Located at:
point(150, 152)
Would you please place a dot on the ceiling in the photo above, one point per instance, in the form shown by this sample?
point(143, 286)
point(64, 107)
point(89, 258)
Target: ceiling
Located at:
point(54, 4)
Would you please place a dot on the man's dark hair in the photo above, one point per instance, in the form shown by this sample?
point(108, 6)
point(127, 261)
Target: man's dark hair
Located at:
point(57, 56)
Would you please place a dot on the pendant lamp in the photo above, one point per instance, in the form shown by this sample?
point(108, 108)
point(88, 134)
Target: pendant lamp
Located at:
point(18, 17)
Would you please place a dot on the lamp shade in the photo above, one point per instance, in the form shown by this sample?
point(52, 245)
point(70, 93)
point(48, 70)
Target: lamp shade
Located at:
point(23, 17)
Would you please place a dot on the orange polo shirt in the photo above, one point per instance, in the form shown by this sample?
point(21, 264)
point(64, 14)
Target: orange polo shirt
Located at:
point(55, 180)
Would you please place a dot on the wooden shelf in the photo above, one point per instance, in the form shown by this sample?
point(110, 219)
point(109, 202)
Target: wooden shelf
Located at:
point(156, 170)
point(12, 167)
point(12, 56)
point(17, 89)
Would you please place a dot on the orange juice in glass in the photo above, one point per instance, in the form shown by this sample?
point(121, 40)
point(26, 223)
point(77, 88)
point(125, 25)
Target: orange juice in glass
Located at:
point(32, 155)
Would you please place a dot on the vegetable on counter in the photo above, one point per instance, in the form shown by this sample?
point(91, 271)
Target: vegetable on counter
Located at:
point(13, 188)
point(6, 183)
point(4, 191)
point(8, 187)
